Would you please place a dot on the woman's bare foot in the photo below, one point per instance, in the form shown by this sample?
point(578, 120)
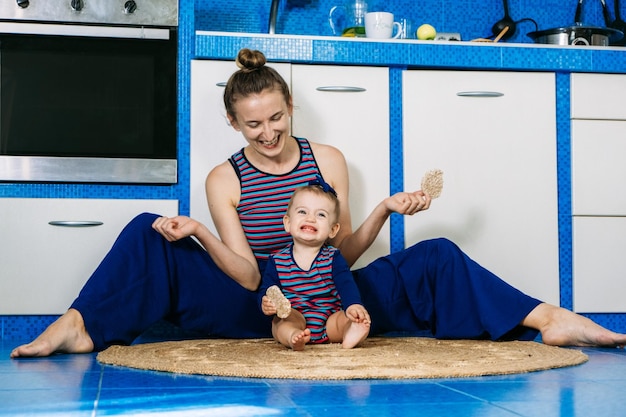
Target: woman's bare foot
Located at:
point(561, 327)
point(299, 339)
point(355, 334)
point(67, 335)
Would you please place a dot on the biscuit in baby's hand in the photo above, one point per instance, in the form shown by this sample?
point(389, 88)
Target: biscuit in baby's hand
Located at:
point(283, 306)
point(432, 183)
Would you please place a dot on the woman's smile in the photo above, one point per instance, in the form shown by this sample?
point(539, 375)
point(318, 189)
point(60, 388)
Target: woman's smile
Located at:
point(271, 143)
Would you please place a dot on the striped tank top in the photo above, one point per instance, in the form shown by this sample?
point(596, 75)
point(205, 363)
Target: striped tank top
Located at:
point(313, 293)
point(264, 199)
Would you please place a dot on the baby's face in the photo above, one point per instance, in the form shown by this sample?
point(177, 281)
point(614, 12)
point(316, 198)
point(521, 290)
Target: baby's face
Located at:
point(311, 218)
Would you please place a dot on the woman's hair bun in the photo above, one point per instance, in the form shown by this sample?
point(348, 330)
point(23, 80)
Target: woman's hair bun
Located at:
point(249, 60)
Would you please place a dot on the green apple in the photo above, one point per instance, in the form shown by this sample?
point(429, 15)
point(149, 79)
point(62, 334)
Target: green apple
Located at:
point(426, 32)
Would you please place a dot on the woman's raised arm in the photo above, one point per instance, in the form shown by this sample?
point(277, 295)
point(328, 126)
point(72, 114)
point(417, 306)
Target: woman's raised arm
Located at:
point(354, 243)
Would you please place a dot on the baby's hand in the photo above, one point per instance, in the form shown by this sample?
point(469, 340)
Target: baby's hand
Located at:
point(280, 303)
point(358, 314)
point(267, 306)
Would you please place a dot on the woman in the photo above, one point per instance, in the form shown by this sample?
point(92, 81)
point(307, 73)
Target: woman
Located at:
point(156, 271)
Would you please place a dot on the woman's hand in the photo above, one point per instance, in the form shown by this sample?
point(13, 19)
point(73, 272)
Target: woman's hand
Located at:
point(245, 272)
point(176, 228)
point(358, 314)
point(407, 203)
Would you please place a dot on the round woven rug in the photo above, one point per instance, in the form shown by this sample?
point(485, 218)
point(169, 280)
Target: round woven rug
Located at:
point(377, 358)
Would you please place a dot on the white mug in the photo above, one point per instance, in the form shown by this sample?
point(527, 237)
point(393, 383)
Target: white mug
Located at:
point(379, 25)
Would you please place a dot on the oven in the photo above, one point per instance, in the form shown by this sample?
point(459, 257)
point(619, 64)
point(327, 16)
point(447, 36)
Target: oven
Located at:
point(88, 91)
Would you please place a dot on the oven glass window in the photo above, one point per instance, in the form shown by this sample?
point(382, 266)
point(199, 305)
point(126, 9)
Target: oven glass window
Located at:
point(88, 97)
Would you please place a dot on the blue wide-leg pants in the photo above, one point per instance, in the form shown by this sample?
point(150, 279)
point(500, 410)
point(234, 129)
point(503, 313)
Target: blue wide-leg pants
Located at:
point(144, 279)
point(435, 286)
point(430, 286)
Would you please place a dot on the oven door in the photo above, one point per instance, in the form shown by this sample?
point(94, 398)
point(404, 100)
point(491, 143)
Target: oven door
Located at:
point(87, 103)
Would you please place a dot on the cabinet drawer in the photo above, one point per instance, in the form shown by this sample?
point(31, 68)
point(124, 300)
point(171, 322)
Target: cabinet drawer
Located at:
point(599, 274)
point(598, 96)
point(598, 167)
point(45, 266)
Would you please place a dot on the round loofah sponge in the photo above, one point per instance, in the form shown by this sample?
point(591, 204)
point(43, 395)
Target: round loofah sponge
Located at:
point(283, 306)
point(432, 183)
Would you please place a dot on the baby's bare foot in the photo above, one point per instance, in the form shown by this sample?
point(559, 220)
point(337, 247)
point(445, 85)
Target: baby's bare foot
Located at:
point(67, 335)
point(355, 334)
point(300, 338)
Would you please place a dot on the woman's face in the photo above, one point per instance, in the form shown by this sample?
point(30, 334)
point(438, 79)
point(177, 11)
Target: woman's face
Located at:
point(264, 121)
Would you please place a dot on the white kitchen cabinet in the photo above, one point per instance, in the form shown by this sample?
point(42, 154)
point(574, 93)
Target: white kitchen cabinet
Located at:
point(599, 264)
point(494, 136)
point(598, 167)
point(598, 195)
point(44, 266)
point(598, 96)
point(348, 107)
point(349, 111)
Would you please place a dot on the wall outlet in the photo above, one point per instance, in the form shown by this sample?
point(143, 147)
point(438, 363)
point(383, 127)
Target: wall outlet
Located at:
point(448, 36)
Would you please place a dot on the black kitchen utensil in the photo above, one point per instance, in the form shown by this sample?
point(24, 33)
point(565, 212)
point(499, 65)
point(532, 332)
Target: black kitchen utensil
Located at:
point(606, 13)
point(618, 24)
point(506, 21)
point(579, 33)
point(579, 10)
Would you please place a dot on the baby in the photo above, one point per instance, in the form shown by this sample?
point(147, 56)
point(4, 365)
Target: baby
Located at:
point(314, 277)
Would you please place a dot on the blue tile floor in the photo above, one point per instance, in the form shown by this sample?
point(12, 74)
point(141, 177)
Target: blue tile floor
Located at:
point(77, 385)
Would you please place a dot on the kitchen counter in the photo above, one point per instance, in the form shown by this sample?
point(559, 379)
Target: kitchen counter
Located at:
point(413, 53)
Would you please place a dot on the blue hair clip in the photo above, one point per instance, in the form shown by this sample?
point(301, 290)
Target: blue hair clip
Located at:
point(319, 181)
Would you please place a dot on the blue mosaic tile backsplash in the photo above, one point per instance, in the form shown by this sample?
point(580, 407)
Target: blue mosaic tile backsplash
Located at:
point(471, 18)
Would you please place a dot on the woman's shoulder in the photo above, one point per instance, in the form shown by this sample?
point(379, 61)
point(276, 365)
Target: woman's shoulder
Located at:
point(221, 172)
point(326, 152)
point(222, 180)
point(332, 165)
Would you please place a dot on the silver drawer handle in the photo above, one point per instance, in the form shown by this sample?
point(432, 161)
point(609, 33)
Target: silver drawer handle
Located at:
point(341, 89)
point(479, 94)
point(75, 223)
point(331, 88)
